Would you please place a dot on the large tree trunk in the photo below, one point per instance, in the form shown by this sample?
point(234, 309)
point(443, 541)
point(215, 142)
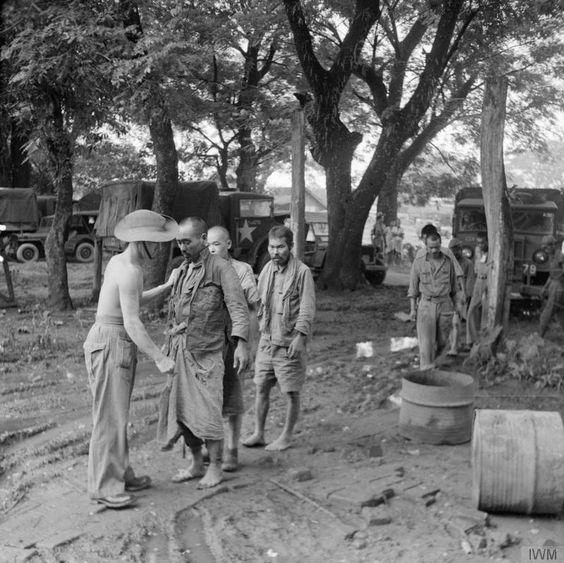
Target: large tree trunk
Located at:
point(160, 128)
point(166, 185)
point(60, 150)
point(498, 214)
point(247, 167)
point(349, 210)
point(21, 169)
point(5, 161)
point(337, 165)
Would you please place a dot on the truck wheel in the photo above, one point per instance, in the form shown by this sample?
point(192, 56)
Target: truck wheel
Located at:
point(84, 252)
point(376, 278)
point(27, 252)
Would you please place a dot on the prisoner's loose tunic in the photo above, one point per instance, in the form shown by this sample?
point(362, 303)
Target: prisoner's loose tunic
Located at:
point(204, 293)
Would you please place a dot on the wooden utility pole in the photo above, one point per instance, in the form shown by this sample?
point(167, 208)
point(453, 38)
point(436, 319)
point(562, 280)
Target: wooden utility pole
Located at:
point(97, 268)
point(496, 203)
point(297, 204)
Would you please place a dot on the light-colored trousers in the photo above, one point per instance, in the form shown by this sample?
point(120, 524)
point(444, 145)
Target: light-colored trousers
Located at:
point(111, 359)
point(434, 324)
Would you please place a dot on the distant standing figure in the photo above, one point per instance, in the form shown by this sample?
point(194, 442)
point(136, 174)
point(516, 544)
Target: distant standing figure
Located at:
point(553, 289)
point(219, 242)
point(477, 316)
point(286, 314)
point(378, 234)
point(110, 352)
point(397, 241)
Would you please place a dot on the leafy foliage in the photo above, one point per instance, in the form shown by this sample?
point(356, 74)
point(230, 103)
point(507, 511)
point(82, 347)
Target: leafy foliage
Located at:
point(531, 359)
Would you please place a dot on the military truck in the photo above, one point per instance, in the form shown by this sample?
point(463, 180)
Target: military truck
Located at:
point(248, 216)
point(535, 213)
point(27, 219)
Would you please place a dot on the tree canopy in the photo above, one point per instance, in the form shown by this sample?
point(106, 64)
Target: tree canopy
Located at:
point(214, 84)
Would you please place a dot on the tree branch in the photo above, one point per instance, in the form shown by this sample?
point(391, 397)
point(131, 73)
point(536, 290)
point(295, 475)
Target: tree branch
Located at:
point(375, 82)
point(434, 64)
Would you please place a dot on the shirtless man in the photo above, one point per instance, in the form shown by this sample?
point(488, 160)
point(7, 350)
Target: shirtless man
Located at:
point(110, 352)
point(219, 242)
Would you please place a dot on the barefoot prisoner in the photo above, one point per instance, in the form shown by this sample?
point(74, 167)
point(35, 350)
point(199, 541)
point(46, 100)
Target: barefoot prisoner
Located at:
point(205, 287)
point(286, 313)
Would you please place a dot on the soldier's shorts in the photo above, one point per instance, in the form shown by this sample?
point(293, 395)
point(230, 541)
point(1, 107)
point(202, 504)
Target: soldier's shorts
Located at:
point(273, 365)
point(232, 387)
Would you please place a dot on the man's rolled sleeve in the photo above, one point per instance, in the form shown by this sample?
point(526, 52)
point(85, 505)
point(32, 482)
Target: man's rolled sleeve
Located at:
point(235, 302)
point(306, 314)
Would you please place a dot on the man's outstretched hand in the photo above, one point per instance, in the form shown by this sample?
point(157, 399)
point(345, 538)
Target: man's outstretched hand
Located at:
point(165, 365)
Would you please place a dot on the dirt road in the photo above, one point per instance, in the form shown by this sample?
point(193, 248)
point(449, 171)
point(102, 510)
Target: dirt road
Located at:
point(305, 504)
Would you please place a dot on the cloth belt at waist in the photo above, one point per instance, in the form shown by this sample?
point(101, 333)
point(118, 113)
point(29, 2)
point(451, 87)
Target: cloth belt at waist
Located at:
point(177, 329)
point(113, 320)
point(440, 299)
point(482, 276)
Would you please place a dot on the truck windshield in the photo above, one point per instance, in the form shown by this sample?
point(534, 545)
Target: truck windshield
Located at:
point(254, 208)
point(524, 220)
point(529, 221)
point(471, 220)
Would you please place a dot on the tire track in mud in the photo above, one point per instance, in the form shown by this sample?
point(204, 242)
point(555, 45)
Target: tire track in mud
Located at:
point(40, 445)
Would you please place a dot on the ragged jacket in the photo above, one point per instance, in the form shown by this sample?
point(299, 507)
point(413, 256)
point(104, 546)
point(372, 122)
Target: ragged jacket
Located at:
point(201, 299)
point(298, 300)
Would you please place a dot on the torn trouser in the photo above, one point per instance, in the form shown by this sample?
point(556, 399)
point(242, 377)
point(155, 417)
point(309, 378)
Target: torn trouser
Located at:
point(434, 323)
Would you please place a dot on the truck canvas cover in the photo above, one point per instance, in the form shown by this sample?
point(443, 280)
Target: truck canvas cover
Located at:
point(199, 199)
point(18, 209)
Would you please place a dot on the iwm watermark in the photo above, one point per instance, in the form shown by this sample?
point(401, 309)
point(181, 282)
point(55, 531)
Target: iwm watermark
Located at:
point(553, 553)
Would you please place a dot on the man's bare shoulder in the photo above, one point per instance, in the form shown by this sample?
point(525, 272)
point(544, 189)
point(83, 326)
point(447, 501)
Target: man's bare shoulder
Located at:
point(121, 270)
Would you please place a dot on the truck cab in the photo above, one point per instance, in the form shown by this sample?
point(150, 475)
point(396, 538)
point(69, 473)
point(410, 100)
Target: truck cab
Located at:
point(248, 216)
point(534, 216)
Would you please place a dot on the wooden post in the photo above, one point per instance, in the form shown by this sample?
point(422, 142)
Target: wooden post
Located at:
point(297, 205)
point(496, 203)
point(98, 255)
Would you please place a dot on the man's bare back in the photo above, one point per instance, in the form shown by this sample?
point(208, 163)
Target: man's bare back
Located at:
point(118, 269)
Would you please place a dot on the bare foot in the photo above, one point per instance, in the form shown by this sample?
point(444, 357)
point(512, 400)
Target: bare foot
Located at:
point(254, 441)
point(195, 471)
point(230, 460)
point(280, 444)
point(212, 478)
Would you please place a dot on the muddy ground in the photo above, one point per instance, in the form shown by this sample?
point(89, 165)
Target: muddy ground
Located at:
point(302, 505)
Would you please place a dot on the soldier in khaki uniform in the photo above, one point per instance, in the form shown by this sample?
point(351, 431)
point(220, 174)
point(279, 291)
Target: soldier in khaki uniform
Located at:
point(434, 284)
